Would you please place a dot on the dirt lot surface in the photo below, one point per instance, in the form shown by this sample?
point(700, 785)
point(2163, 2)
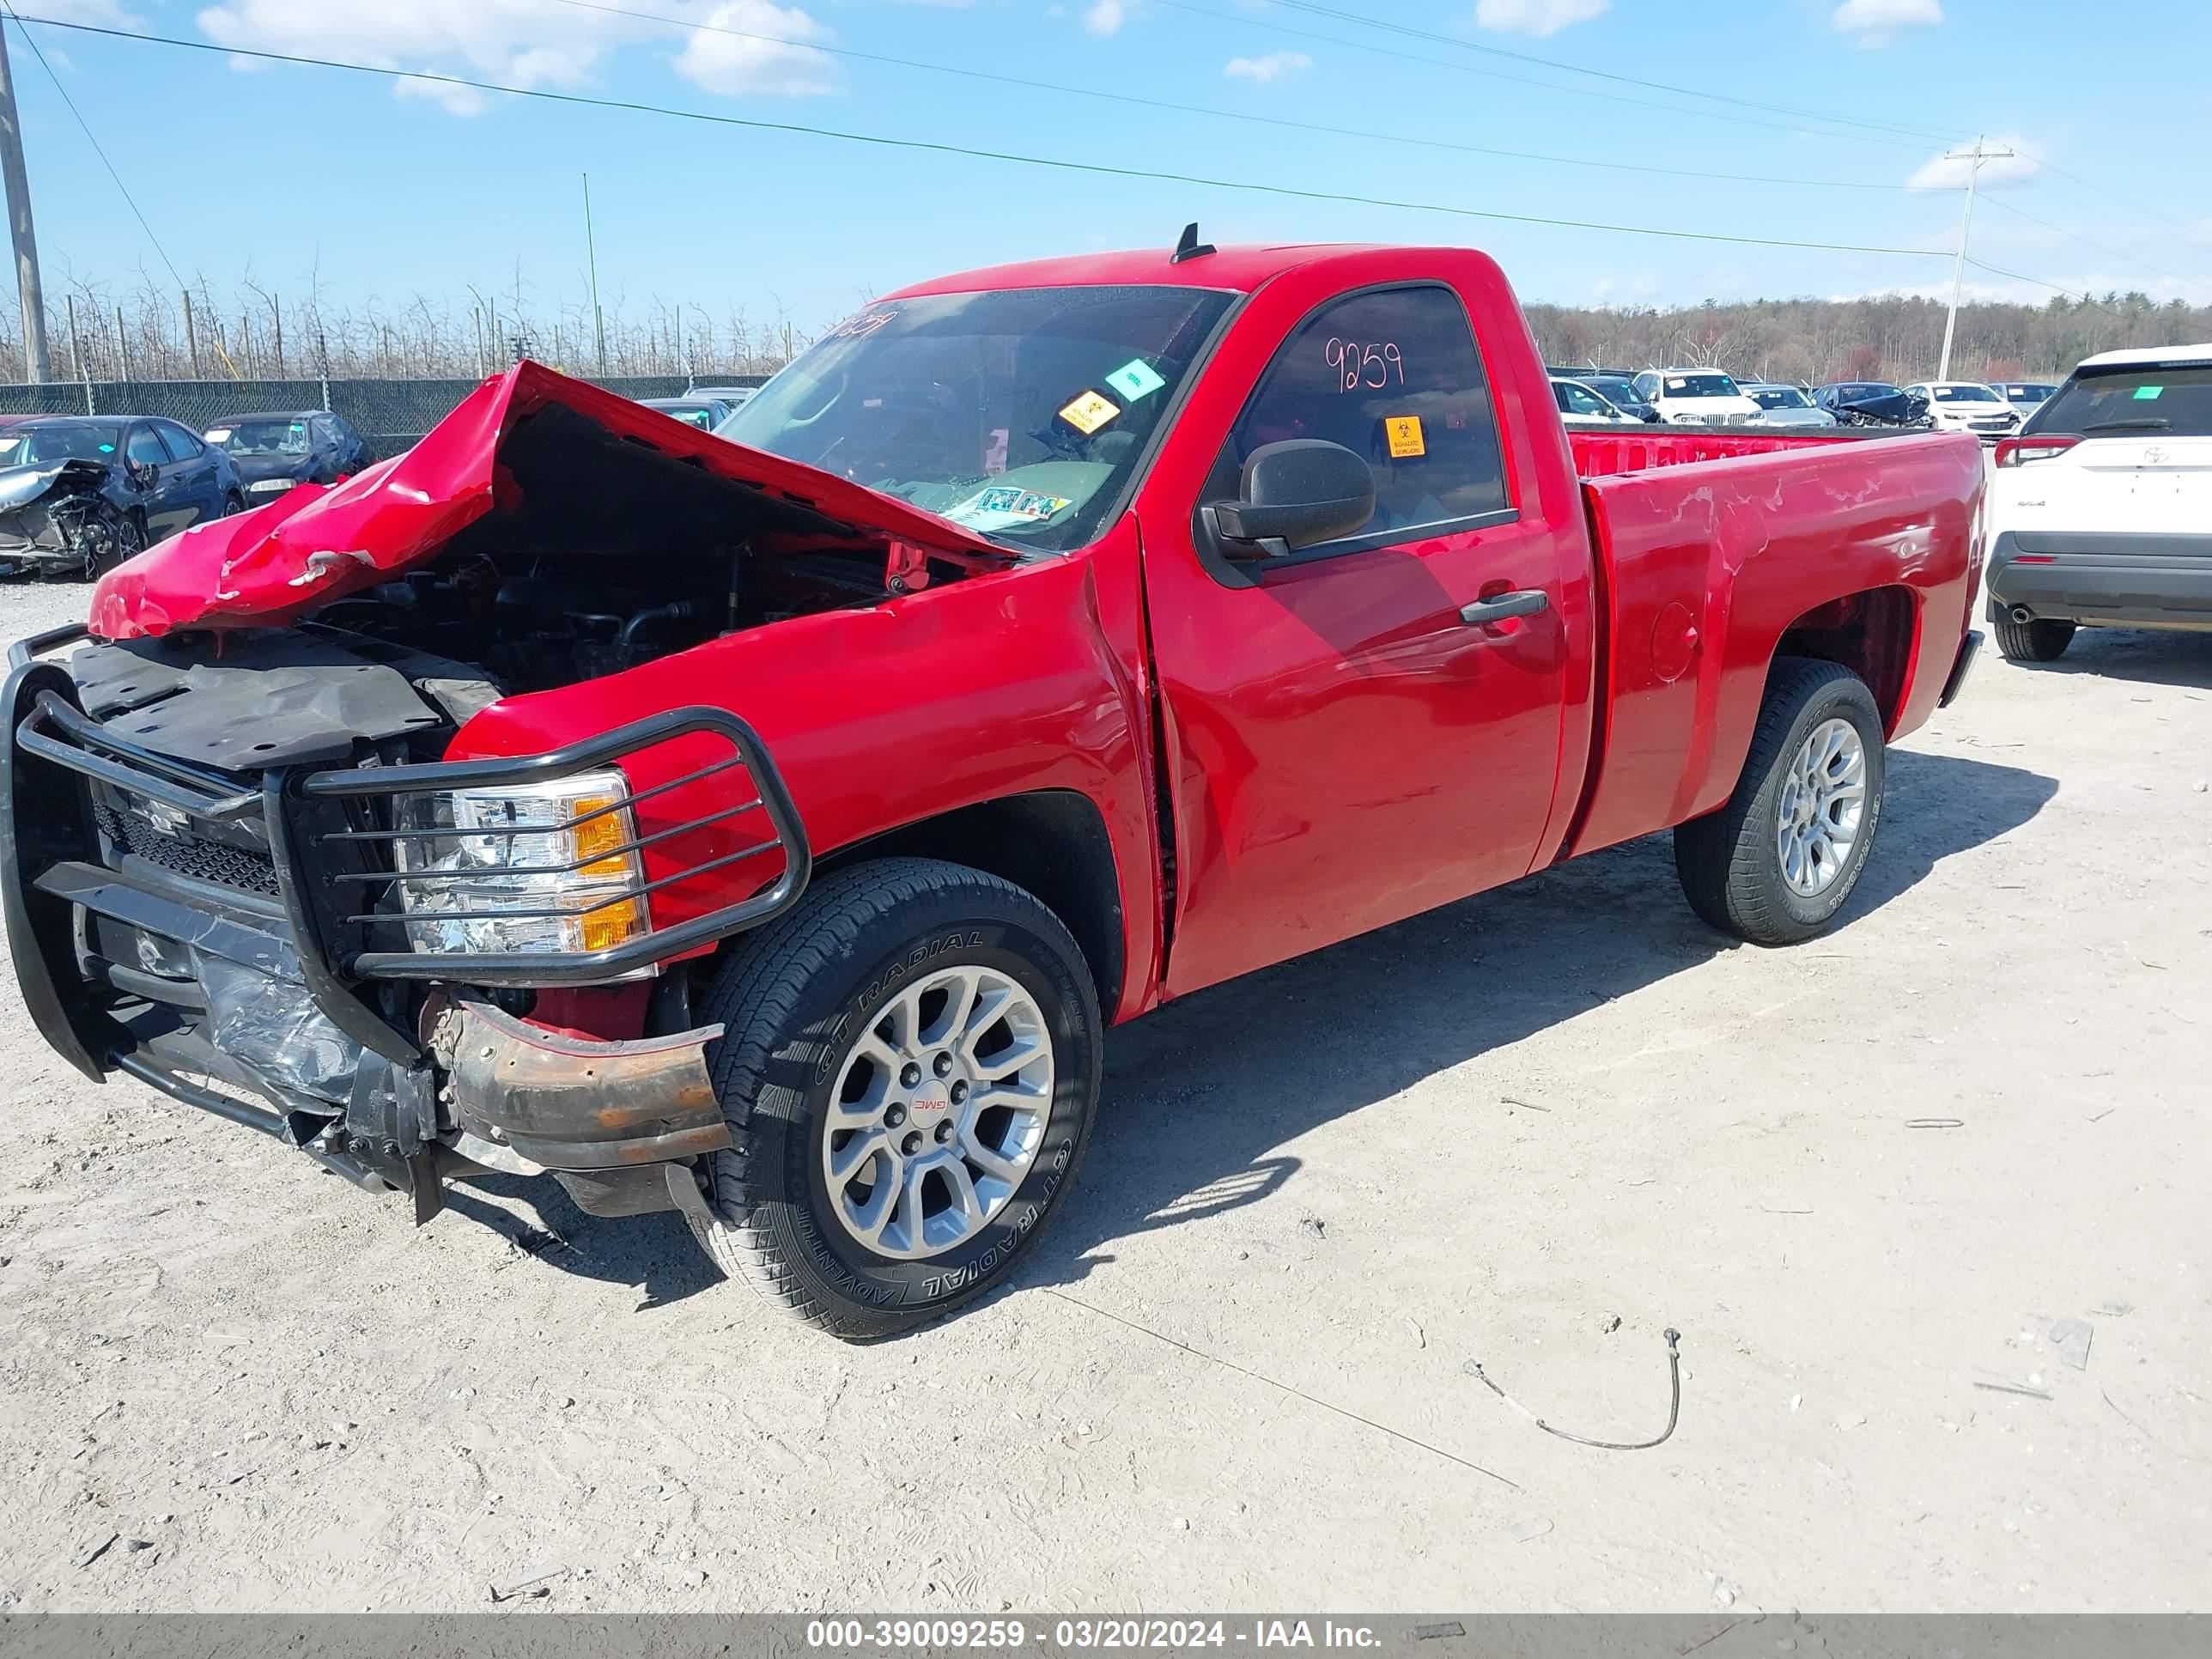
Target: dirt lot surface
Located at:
point(1533, 1130)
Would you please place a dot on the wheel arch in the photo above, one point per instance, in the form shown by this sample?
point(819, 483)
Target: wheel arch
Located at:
point(1874, 632)
point(1053, 843)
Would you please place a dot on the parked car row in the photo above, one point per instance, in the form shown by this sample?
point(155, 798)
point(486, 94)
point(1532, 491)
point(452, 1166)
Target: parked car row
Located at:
point(80, 494)
point(1705, 396)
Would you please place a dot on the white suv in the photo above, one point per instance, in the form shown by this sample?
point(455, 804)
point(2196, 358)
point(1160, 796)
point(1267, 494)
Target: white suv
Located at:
point(1696, 397)
point(2100, 511)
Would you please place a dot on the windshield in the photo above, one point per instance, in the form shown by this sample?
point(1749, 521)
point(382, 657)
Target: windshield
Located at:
point(2029, 391)
point(1620, 390)
point(280, 436)
point(47, 444)
point(1962, 394)
point(2114, 402)
point(1780, 397)
point(1701, 386)
point(1017, 414)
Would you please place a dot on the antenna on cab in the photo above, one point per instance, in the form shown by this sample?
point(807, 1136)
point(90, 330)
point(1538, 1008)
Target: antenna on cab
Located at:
point(1190, 248)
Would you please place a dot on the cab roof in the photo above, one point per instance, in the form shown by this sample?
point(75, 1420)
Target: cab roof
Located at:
point(1237, 270)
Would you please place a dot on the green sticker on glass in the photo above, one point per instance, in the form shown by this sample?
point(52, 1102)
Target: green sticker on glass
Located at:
point(2145, 393)
point(1135, 378)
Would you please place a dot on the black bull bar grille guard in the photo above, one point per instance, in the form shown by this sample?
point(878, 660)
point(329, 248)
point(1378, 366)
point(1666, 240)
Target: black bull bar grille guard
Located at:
point(329, 838)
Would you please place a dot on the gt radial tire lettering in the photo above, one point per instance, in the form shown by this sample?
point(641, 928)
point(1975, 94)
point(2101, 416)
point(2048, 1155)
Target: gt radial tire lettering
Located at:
point(873, 994)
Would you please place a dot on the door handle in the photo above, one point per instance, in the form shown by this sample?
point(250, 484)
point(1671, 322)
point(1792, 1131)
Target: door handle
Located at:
point(1528, 602)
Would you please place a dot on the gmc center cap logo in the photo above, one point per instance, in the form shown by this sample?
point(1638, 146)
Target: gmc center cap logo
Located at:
point(932, 1100)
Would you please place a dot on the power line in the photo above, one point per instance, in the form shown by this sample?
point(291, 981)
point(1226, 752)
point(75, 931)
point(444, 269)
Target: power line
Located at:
point(1611, 99)
point(2038, 281)
point(1356, 18)
point(2099, 190)
point(2022, 213)
point(1207, 110)
point(129, 199)
point(882, 141)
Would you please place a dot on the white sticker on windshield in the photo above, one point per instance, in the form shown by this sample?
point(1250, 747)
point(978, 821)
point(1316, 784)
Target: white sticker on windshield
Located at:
point(1004, 507)
point(1676, 383)
point(220, 434)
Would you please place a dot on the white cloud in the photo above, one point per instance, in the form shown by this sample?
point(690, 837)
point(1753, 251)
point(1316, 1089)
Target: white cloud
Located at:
point(1536, 17)
point(1106, 16)
point(1876, 21)
point(528, 43)
point(738, 62)
point(1947, 169)
point(1272, 67)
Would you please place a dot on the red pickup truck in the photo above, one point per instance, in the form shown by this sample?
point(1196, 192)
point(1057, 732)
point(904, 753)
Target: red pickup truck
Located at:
point(767, 825)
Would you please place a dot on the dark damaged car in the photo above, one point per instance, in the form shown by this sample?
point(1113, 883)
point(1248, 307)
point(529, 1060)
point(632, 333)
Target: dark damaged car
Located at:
point(80, 494)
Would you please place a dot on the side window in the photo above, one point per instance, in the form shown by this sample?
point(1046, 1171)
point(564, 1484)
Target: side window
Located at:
point(144, 445)
point(183, 446)
point(1579, 402)
point(1646, 384)
point(1393, 376)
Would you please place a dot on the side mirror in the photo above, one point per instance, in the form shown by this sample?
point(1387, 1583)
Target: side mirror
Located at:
point(144, 474)
point(1294, 493)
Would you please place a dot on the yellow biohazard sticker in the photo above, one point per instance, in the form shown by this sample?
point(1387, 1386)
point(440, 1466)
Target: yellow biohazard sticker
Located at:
point(1090, 411)
point(1404, 432)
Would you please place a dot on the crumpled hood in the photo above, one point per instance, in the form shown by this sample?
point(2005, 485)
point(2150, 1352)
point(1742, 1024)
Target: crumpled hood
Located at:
point(21, 485)
point(276, 564)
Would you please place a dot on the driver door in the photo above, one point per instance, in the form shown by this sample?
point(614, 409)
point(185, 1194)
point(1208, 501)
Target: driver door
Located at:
point(1344, 749)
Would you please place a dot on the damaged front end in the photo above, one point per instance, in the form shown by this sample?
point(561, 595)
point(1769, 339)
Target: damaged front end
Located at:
point(57, 519)
point(250, 856)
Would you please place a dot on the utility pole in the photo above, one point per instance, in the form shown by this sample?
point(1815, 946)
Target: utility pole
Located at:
point(192, 336)
point(591, 252)
point(37, 368)
point(1973, 158)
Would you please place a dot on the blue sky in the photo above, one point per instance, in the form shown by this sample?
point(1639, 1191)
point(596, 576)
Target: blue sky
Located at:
point(389, 190)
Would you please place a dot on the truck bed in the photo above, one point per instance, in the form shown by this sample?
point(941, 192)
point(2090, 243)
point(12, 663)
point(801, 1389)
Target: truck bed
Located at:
point(1710, 547)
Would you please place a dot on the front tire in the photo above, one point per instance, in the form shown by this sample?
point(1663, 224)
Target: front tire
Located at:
point(2043, 639)
point(909, 1066)
point(1775, 865)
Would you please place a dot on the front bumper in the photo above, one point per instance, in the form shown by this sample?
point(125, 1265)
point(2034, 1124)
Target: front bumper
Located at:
point(236, 964)
point(2146, 580)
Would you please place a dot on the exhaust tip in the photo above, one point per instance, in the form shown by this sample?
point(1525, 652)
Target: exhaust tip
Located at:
point(2022, 615)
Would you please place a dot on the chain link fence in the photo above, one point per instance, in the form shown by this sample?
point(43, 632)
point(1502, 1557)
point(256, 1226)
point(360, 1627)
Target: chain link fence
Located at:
point(391, 414)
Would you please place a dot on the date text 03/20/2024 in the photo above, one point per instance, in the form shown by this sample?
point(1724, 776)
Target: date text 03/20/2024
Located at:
point(1144, 1634)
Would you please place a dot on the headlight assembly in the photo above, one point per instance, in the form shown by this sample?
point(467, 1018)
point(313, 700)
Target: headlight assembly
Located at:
point(542, 866)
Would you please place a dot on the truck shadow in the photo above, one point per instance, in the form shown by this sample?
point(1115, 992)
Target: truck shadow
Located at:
point(2151, 656)
point(1201, 1097)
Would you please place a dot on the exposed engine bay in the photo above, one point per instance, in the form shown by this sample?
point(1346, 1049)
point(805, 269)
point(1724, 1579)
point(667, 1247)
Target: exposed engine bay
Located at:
point(57, 518)
point(601, 554)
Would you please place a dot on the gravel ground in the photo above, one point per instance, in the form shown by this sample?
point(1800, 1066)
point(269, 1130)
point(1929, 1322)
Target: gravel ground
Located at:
point(1533, 1130)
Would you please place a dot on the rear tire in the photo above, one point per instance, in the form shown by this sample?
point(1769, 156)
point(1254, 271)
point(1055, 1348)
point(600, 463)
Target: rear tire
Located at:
point(904, 957)
point(2043, 639)
point(1819, 737)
